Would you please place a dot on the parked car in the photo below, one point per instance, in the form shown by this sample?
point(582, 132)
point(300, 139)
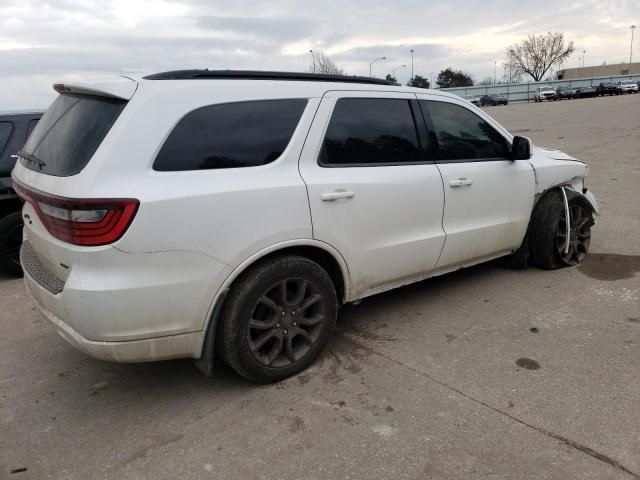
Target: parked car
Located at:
point(565, 92)
point(585, 92)
point(544, 92)
point(627, 86)
point(475, 99)
point(14, 130)
point(195, 210)
point(493, 100)
point(608, 88)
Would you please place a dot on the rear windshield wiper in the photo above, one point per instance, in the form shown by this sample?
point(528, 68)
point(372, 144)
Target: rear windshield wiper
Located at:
point(32, 159)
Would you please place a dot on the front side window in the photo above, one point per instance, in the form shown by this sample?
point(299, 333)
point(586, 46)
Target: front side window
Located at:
point(5, 134)
point(371, 131)
point(463, 135)
point(231, 135)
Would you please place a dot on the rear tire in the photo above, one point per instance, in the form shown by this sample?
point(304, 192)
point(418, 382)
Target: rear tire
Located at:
point(10, 242)
point(548, 232)
point(278, 317)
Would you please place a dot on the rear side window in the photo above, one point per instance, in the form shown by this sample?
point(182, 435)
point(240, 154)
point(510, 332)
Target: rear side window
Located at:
point(69, 133)
point(463, 135)
point(231, 135)
point(371, 131)
point(5, 134)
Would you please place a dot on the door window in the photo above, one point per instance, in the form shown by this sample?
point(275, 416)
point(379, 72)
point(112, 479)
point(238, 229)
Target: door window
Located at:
point(371, 131)
point(463, 135)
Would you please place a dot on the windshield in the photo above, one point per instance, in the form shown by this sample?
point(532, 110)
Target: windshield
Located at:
point(69, 133)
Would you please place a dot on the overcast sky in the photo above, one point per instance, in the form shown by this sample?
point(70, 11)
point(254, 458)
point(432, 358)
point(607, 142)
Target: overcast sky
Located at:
point(41, 42)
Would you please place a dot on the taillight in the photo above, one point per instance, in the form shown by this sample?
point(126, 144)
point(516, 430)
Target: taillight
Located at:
point(81, 222)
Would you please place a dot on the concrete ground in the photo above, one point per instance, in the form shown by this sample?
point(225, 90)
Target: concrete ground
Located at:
point(440, 380)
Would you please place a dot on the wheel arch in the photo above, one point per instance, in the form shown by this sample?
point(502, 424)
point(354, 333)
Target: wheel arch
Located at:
point(320, 252)
point(586, 198)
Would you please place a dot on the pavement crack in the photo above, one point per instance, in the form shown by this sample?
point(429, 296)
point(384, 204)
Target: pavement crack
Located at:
point(567, 441)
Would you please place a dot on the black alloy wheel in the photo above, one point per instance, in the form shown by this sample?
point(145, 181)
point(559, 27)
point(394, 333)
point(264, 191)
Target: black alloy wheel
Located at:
point(286, 322)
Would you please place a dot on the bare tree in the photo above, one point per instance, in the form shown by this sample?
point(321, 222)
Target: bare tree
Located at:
point(511, 74)
point(486, 81)
point(536, 54)
point(323, 64)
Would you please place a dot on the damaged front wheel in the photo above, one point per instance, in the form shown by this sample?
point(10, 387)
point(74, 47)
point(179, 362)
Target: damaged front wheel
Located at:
point(557, 240)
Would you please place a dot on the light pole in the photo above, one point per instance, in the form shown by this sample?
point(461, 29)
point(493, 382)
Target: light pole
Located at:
point(583, 53)
point(393, 72)
point(371, 64)
point(633, 27)
point(411, 63)
point(495, 66)
point(314, 60)
point(431, 84)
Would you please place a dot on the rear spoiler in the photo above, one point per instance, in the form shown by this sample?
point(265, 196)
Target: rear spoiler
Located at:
point(117, 87)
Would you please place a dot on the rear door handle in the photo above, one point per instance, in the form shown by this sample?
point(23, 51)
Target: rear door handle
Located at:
point(330, 197)
point(460, 182)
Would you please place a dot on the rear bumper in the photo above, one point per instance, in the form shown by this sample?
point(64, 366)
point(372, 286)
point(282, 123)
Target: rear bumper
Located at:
point(123, 307)
point(186, 345)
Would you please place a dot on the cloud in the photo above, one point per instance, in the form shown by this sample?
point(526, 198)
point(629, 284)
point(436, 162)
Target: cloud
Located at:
point(43, 41)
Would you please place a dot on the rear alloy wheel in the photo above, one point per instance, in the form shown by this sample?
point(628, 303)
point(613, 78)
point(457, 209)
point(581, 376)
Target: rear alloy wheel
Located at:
point(10, 241)
point(278, 318)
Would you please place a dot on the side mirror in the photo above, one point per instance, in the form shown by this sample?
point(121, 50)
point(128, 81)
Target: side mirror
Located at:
point(521, 148)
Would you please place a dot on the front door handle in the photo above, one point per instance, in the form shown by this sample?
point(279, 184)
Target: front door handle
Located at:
point(460, 182)
point(330, 197)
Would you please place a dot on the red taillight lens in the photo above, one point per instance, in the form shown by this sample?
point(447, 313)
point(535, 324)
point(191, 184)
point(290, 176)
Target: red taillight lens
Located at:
point(81, 222)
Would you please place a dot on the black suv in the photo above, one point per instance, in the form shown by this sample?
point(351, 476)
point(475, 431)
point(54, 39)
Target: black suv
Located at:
point(608, 88)
point(15, 127)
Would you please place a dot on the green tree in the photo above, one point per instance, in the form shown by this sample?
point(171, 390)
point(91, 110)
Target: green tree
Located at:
point(390, 78)
point(419, 82)
point(454, 78)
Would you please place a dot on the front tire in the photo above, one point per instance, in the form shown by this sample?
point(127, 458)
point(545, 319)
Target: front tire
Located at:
point(10, 241)
point(548, 232)
point(278, 318)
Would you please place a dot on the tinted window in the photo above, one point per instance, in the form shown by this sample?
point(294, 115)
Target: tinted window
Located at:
point(366, 131)
point(5, 133)
point(32, 125)
point(69, 133)
point(463, 135)
point(231, 135)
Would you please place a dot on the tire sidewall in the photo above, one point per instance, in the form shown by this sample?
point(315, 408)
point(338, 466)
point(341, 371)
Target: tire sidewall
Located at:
point(242, 302)
point(7, 223)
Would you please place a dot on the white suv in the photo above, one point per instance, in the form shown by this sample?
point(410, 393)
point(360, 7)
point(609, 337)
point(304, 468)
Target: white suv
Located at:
point(545, 93)
point(627, 86)
point(192, 210)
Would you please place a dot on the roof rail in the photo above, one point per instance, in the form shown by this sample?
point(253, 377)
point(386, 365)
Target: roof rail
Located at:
point(206, 74)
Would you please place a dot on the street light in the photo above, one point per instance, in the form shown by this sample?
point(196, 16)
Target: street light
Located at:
point(393, 72)
point(495, 66)
point(633, 27)
point(583, 52)
point(411, 63)
point(371, 64)
point(314, 60)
